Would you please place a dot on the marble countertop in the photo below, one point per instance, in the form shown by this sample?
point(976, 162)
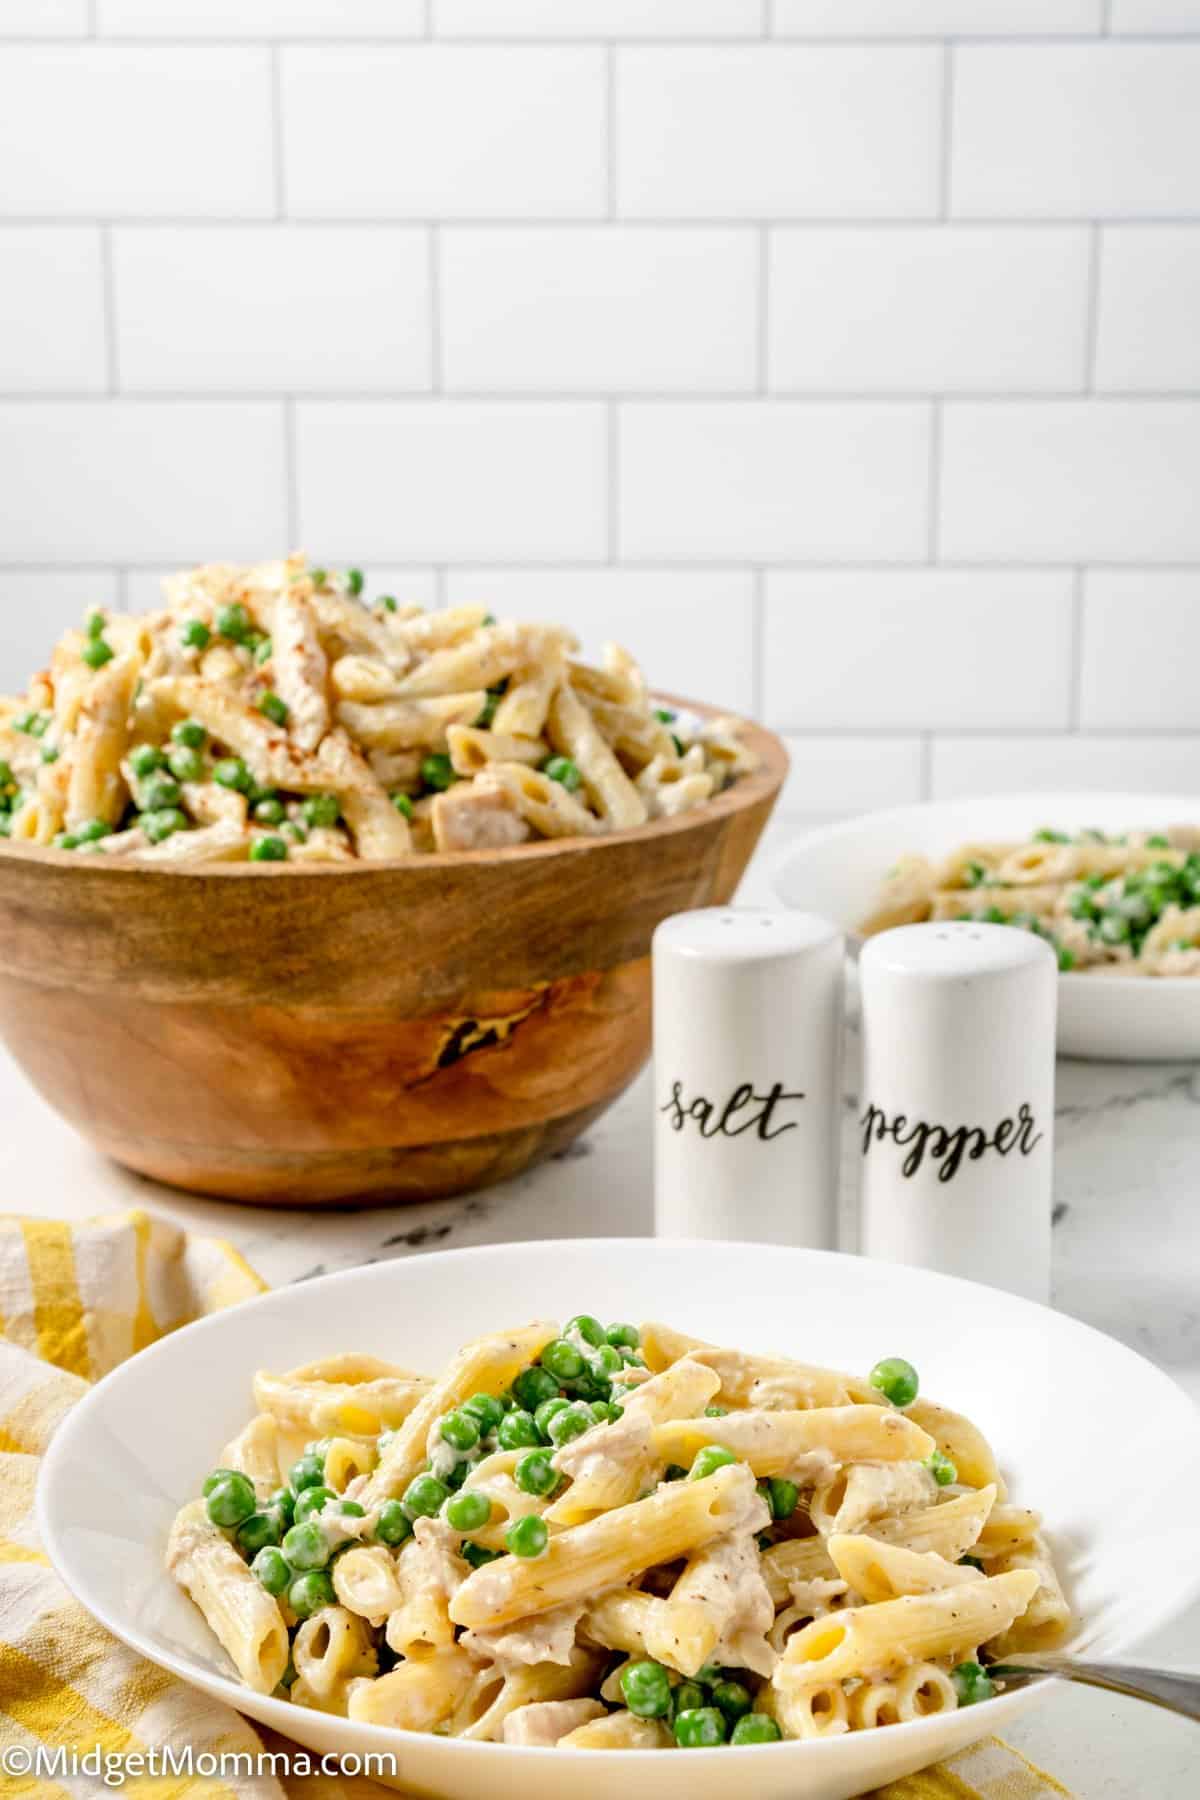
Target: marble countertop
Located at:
point(1127, 1260)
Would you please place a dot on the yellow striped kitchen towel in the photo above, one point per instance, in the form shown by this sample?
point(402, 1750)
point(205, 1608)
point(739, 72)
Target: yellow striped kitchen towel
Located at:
point(76, 1300)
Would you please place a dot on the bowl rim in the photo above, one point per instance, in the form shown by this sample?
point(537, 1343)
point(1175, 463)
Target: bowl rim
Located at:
point(1067, 797)
point(278, 1713)
point(762, 783)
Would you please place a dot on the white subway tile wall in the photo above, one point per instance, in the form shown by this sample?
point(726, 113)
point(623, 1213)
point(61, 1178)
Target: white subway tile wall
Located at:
point(838, 356)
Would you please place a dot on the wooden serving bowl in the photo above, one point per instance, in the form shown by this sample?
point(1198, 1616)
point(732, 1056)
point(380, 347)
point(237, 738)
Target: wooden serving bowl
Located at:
point(373, 1032)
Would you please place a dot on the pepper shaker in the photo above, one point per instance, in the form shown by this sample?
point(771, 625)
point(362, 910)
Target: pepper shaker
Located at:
point(748, 1010)
point(956, 1118)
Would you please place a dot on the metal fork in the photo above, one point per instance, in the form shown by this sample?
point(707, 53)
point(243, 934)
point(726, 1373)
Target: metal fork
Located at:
point(1175, 1689)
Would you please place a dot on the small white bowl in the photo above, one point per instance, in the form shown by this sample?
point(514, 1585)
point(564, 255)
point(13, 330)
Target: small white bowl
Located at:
point(1096, 1438)
point(839, 871)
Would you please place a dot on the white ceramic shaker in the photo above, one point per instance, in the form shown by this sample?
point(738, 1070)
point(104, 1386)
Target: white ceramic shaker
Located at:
point(748, 1010)
point(956, 1125)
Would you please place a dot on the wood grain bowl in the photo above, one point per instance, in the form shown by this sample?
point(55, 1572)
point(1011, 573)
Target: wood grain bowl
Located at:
point(377, 1032)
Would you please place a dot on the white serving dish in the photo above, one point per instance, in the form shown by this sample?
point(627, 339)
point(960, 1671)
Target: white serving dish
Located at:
point(1097, 1438)
point(839, 870)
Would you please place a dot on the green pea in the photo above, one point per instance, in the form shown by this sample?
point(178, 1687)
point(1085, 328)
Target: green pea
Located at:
point(270, 1565)
point(571, 1423)
point(755, 1728)
point(260, 1530)
point(307, 1472)
point(1114, 929)
point(318, 577)
point(605, 1412)
point(716, 1412)
point(184, 764)
point(306, 1546)
point(536, 1474)
point(93, 831)
point(195, 635)
point(425, 1497)
point(403, 805)
point(783, 1497)
point(711, 1672)
point(231, 772)
point(588, 1328)
point(477, 1555)
point(534, 1385)
point(231, 1500)
point(233, 622)
point(65, 840)
point(217, 1476)
point(468, 1511)
point(39, 724)
point(159, 792)
point(311, 1501)
point(437, 772)
point(269, 811)
point(273, 708)
point(460, 1430)
point(709, 1460)
point(1066, 959)
point(896, 1380)
point(283, 1502)
point(546, 1412)
point(393, 1526)
point(144, 759)
point(564, 771)
point(321, 810)
point(96, 653)
point(646, 1688)
point(941, 1468)
point(528, 1536)
point(486, 1411)
point(974, 874)
point(517, 1431)
point(562, 1360)
point(700, 1728)
point(623, 1335)
point(190, 733)
point(664, 715)
point(310, 1592)
point(163, 823)
point(733, 1698)
point(269, 849)
point(687, 1696)
point(607, 1361)
point(386, 603)
point(1046, 836)
point(94, 623)
point(972, 1683)
point(354, 581)
point(1082, 905)
point(50, 753)
point(1158, 842)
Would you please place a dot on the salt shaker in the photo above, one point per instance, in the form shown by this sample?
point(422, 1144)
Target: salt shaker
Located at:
point(956, 1123)
point(748, 1009)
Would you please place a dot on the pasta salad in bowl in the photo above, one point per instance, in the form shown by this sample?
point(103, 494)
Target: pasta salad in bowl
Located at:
point(591, 1537)
point(367, 1512)
point(271, 714)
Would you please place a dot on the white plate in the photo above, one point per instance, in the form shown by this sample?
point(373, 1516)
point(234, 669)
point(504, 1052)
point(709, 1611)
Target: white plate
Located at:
point(839, 871)
point(1098, 1439)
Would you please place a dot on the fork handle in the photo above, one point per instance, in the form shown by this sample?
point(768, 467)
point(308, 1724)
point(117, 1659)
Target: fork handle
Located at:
point(1174, 1689)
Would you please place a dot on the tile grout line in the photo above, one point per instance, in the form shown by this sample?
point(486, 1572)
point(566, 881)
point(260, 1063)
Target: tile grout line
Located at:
point(1075, 690)
point(437, 353)
point(291, 466)
point(763, 360)
point(109, 296)
point(753, 37)
point(277, 135)
point(584, 218)
point(945, 171)
point(1091, 347)
point(610, 131)
point(934, 525)
point(613, 478)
